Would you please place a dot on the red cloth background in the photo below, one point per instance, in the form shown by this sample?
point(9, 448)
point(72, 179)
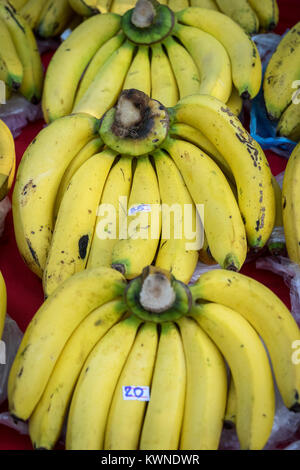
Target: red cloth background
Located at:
point(24, 289)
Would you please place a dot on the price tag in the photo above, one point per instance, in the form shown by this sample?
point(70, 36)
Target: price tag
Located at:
point(132, 392)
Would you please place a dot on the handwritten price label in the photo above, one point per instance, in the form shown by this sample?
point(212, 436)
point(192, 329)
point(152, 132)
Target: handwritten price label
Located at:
point(131, 392)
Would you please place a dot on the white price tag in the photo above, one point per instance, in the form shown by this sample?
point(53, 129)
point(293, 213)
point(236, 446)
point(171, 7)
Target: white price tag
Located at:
point(132, 392)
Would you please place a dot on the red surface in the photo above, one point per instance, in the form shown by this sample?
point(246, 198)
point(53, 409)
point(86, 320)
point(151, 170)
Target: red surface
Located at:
point(25, 293)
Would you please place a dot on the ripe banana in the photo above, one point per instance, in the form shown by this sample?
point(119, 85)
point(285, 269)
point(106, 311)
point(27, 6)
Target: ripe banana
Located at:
point(210, 4)
point(290, 205)
point(49, 331)
point(164, 86)
point(138, 371)
point(177, 5)
point(46, 422)
point(72, 57)
point(38, 180)
point(276, 242)
point(243, 53)
point(247, 161)
point(121, 6)
point(54, 18)
point(12, 68)
point(7, 159)
point(235, 102)
point(230, 413)
point(139, 73)
point(184, 68)
point(138, 250)
point(3, 303)
point(267, 314)
point(206, 390)
point(242, 13)
point(74, 227)
point(250, 368)
point(31, 11)
point(17, 4)
point(289, 123)
point(164, 415)
point(181, 232)
point(107, 84)
point(205, 255)
point(84, 8)
point(95, 387)
point(216, 78)
point(281, 73)
point(116, 191)
point(267, 13)
point(222, 223)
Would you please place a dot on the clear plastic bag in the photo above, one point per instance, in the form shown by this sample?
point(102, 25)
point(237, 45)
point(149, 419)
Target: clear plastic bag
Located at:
point(18, 112)
point(5, 207)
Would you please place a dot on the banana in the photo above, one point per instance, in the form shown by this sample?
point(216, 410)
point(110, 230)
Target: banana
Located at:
point(205, 254)
point(75, 222)
point(139, 73)
point(12, 68)
point(26, 47)
point(242, 13)
point(223, 224)
point(7, 159)
point(230, 413)
point(211, 59)
point(84, 8)
point(210, 4)
point(91, 148)
point(164, 415)
point(96, 63)
point(289, 123)
point(175, 254)
point(243, 53)
point(121, 6)
point(177, 5)
point(88, 414)
point(3, 303)
point(206, 389)
point(184, 68)
point(49, 330)
point(235, 102)
point(138, 371)
point(54, 18)
point(116, 190)
point(276, 242)
point(267, 314)
point(267, 13)
point(46, 422)
point(281, 73)
point(132, 254)
point(17, 4)
point(290, 204)
point(38, 180)
point(31, 11)
point(164, 86)
point(72, 57)
point(248, 162)
point(250, 368)
point(107, 84)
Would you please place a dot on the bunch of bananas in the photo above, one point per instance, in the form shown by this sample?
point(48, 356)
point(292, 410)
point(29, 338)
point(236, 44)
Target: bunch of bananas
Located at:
point(7, 160)
point(176, 55)
point(251, 15)
point(281, 84)
point(68, 200)
point(98, 345)
point(48, 18)
point(20, 63)
point(3, 302)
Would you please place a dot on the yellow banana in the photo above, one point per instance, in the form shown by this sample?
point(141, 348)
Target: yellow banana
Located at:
point(210, 4)
point(181, 231)
point(230, 413)
point(267, 13)
point(205, 255)
point(267, 314)
point(12, 68)
point(3, 303)
point(39, 175)
point(235, 102)
point(164, 86)
point(72, 57)
point(49, 330)
point(31, 11)
point(289, 123)
point(250, 368)
point(103, 92)
point(116, 190)
point(121, 6)
point(138, 250)
point(164, 415)
point(222, 223)
point(206, 389)
point(96, 385)
point(46, 422)
point(17, 4)
point(248, 162)
point(184, 68)
point(139, 73)
point(54, 18)
point(7, 159)
point(243, 53)
point(212, 61)
point(242, 13)
point(84, 8)
point(177, 5)
point(74, 227)
point(276, 242)
point(137, 372)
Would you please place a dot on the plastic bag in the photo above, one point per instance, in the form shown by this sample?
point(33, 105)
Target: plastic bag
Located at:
point(18, 112)
point(262, 129)
point(5, 207)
